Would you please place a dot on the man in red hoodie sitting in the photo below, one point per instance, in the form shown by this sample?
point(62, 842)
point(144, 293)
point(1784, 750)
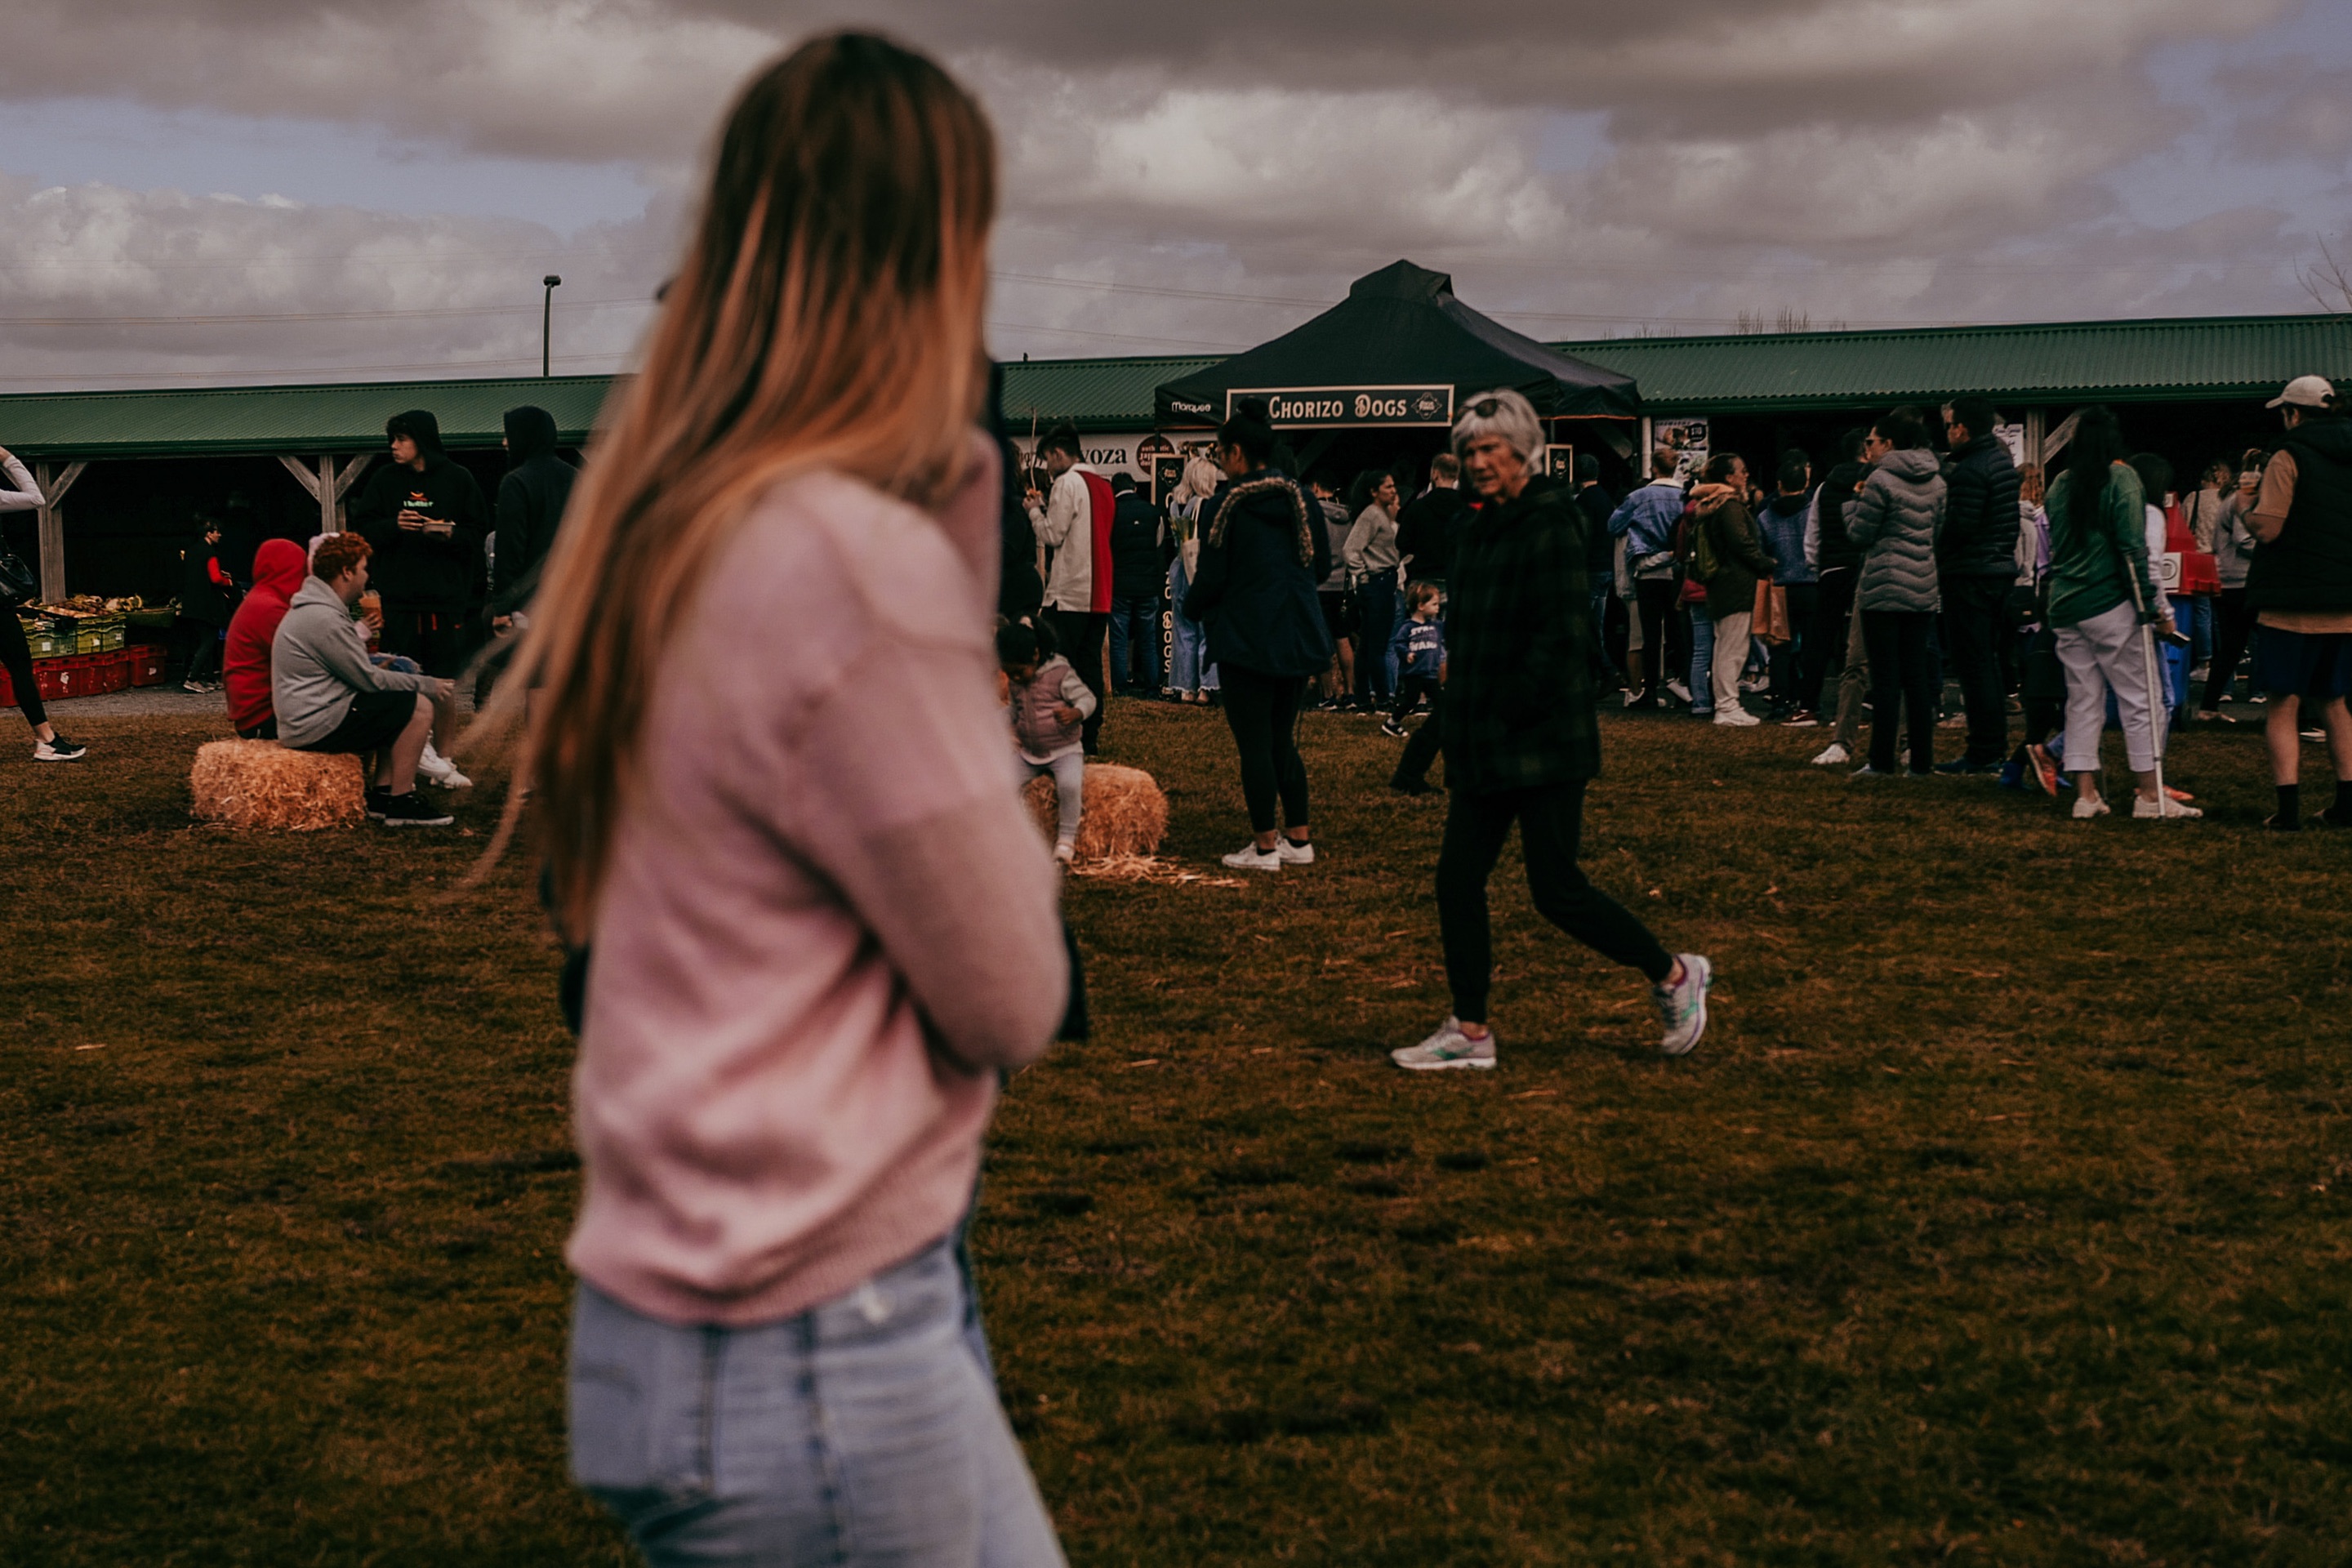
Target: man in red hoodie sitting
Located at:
point(279, 568)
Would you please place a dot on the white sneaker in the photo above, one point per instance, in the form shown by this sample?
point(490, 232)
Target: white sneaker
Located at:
point(2163, 806)
point(1833, 756)
point(436, 769)
point(2084, 810)
point(1291, 854)
point(1448, 1049)
point(1679, 690)
point(1065, 853)
point(1682, 1008)
point(1737, 718)
point(1249, 858)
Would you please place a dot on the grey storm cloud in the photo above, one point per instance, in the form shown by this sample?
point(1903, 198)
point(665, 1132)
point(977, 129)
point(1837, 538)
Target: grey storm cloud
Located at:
point(1203, 175)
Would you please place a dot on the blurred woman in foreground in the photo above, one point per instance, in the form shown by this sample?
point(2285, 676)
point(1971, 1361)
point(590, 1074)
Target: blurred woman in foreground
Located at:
point(820, 922)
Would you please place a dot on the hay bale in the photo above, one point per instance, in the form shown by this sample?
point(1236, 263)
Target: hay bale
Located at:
point(260, 784)
point(1124, 811)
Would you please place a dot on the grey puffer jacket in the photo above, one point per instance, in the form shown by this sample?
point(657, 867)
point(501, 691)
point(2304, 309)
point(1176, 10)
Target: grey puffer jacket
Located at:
point(1895, 523)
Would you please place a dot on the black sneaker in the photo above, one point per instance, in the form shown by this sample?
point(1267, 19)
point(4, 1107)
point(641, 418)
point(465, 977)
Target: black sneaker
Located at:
point(1413, 786)
point(410, 811)
point(2331, 817)
point(375, 795)
point(1391, 728)
point(57, 749)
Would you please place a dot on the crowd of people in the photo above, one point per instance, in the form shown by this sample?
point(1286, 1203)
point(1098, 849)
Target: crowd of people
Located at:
point(357, 643)
point(811, 927)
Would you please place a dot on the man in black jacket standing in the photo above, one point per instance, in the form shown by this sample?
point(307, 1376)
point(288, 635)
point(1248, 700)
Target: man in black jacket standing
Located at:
point(532, 499)
point(1976, 563)
point(1431, 524)
point(1523, 740)
point(424, 518)
point(1138, 564)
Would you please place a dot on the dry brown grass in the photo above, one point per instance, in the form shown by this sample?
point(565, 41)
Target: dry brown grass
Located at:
point(2001, 1219)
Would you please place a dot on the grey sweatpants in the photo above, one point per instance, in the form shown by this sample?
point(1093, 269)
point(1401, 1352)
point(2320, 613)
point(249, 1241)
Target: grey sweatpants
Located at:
point(1069, 771)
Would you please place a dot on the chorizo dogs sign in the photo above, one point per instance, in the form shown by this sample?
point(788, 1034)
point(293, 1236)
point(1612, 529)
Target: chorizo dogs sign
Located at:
point(1291, 408)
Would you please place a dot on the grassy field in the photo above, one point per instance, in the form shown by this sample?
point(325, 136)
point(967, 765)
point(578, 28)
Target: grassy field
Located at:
point(2002, 1218)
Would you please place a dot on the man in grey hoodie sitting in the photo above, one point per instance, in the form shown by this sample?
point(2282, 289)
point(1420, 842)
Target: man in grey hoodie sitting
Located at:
point(329, 697)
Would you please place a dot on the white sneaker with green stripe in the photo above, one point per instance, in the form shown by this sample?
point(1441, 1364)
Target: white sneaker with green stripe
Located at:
point(1681, 1005)
point(1447, 1048)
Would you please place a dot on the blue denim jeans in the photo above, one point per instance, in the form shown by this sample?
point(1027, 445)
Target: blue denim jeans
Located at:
point(859, 1433)
point(1134, 626)
point(1702, 665)
point(1189, 669)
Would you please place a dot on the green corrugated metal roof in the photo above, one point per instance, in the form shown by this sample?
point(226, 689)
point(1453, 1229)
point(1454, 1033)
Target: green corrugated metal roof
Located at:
point(2056, 363)
point(2053, 363)
point(1094, 393)
point(346, 417)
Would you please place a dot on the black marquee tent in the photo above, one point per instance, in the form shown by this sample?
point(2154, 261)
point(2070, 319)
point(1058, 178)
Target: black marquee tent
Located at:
point(1400, 352)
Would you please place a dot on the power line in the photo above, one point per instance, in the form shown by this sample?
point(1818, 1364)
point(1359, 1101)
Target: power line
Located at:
point(272, 317)
point(449, 370)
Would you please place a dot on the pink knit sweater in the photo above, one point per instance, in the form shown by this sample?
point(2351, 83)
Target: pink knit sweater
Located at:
point(826, 923)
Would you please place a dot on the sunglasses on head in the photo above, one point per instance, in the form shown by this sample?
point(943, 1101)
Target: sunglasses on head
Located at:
point(1486, 408)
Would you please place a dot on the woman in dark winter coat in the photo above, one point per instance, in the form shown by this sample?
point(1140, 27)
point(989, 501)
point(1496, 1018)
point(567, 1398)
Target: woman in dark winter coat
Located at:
point(1263, 551)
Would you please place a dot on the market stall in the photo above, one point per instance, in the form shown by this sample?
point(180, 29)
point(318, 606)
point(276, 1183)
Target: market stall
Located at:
point(1386, 371)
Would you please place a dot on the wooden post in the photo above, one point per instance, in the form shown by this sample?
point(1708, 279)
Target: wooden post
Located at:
point(53, 486)
point(2034, 421)
point(343, 479)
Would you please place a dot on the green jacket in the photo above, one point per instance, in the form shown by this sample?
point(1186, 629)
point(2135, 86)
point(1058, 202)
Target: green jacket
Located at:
point(2093, 559)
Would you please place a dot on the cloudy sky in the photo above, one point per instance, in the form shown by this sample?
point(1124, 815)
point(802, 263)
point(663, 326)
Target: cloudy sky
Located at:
point(275, 190)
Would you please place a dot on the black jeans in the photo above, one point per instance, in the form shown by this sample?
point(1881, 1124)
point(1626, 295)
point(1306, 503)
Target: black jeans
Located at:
point(2232, 622)
point(1789, 659)
point(1376, 598)
point(1079, 634)
point(1665, 646)
point(1410, 689)
point(205, 656)
point(1825, 638)
point(17, 659)
point(1551, 821)
point(1420, 748)
point(1262, 710)
point(1902, 675)
point(1976, 622)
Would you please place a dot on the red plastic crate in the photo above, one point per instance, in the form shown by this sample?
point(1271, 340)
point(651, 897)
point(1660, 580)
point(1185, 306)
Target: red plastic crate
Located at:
point(145, 661)
point(110, 672)
point(7, 690)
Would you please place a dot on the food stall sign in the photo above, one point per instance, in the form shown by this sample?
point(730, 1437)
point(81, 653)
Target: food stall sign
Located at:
point(1291, 408)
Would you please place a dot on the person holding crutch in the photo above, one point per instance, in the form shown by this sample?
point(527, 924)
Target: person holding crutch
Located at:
point(2105, 611)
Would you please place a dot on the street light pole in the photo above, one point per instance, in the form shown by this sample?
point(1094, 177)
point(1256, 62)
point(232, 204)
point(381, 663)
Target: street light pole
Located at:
point(548, 285)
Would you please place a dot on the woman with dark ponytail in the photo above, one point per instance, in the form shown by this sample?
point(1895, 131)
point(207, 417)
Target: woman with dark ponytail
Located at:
point(1263, 548)
point(2102, 597)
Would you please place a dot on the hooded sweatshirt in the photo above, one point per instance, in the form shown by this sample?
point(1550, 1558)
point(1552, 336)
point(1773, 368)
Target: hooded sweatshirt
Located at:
point(532, 499)
point(279, 568)
point(319, 663)
point(432, 574)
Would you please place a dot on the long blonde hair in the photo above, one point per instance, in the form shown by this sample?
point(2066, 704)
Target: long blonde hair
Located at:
point(827, 314)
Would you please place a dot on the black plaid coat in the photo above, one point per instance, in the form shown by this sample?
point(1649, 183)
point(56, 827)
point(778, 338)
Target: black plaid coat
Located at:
point(1519, 707)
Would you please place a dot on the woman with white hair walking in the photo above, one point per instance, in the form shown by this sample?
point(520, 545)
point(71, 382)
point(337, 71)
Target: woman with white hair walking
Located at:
point(1523, 738)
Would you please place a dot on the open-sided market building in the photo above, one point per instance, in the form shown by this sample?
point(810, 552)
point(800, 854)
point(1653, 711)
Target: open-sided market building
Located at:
point(130, 471)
